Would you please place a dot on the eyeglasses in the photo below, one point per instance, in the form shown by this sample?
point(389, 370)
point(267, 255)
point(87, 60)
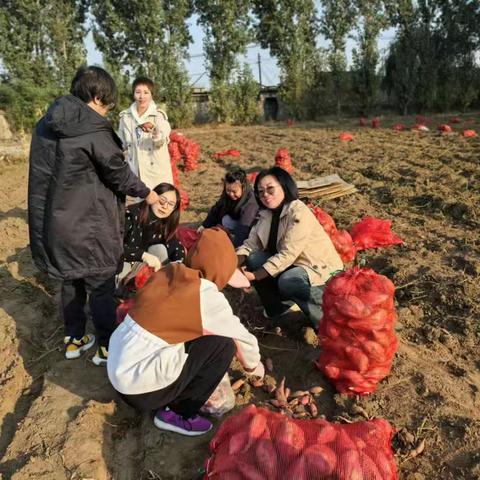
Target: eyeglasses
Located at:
point(270, 190)
point(165, 202)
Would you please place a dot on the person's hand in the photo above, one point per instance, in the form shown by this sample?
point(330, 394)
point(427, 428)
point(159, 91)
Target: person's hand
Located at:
point(147, 126)
point(152, 261)
point(258, 371)
point(250, 276)
point(152, 197)
point(200, 229)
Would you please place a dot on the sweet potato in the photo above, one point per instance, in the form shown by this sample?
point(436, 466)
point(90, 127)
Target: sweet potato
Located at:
point(249, 472)
point(266, 458)
point(239, 442)
point(327, 434)
point(350, 467)
point(352, 306)
point(297, 470)
point(290, 437)
point(321, 461)
point(258, 427)
point(358, 359)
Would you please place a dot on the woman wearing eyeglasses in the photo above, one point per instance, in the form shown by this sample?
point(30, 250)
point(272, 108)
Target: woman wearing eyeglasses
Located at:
point(288, 255)
point(150, 231)
point(144, 130)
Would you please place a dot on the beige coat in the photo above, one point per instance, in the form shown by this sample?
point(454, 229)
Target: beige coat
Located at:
point(147, 153)
point(301, 241)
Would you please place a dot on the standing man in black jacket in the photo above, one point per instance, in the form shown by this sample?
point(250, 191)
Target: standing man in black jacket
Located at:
point(78, 181)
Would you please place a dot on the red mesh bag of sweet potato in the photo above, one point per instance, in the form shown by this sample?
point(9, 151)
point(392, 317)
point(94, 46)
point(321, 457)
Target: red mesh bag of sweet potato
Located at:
point(373, 232)
point(257, 444)
point(357, 333)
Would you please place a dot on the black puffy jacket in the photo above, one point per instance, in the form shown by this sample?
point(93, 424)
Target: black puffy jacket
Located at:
point(77, 183)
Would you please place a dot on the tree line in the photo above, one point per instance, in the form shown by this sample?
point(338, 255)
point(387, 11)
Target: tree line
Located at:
point(431, 64)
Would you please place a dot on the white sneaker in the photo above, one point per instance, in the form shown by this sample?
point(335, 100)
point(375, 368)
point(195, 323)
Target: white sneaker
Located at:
point(101, 357)
point(74, 348)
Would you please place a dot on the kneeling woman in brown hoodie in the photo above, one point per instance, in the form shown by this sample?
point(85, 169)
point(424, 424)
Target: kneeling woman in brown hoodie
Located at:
point(178, 340)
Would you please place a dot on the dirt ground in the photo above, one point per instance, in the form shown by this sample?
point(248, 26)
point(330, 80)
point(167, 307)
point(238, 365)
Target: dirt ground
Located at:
point(60, 419)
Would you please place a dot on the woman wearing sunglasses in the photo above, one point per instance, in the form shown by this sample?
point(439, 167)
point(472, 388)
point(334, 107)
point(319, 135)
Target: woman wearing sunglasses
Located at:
point(288, 255)
point(150, 231)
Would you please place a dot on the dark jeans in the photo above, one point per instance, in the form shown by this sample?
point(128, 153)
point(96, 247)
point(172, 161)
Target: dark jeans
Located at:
point(291, 286)
point(208, 359)
point(101, 300)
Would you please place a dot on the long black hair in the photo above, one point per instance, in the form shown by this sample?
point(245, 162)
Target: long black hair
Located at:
point(283, 178)
point(164, 227)
point(226, 204)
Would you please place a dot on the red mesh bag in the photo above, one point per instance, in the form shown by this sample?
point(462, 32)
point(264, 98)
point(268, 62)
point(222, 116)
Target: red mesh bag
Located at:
point(257, 444)
point(325, 220)
point(444, 128)
point(469, 133)
point(375, 122)
point(357, 333)
point(181, 147)
point(345, 136)
point(187, 236)
point(252, 176)
point(454, 120)
point(344, 246)
point(232, 152)
point(134, 285)
point(421, 119)
point(283, 160)
point(184, 200)
point(399, 127)
point(373, 232)
point(363, 121)
point(341, 239)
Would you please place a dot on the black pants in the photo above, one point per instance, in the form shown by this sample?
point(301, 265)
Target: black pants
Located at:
point(102, 305)
point(208, 359)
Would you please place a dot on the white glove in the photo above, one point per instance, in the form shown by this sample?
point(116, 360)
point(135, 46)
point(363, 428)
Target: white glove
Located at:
point(200, 229)
point(259, 371)
point(152, 261)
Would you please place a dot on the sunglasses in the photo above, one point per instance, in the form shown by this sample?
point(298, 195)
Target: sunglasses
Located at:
point(165, 202)
point(270, 190)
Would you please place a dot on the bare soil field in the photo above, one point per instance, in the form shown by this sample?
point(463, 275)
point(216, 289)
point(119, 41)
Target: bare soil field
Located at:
point(61, 420)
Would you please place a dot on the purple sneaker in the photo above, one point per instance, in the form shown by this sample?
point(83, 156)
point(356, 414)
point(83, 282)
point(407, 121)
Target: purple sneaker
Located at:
point(166, 419)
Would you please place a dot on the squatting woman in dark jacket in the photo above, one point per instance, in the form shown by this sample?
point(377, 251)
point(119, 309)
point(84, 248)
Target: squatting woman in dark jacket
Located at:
point(236, 209)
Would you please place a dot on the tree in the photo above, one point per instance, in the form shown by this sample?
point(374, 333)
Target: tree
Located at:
point(227, 33)
point(152, 39)
point(366, 81)
point(288, 28)
point(337, 21)
point(245, 97)
point(39, 57)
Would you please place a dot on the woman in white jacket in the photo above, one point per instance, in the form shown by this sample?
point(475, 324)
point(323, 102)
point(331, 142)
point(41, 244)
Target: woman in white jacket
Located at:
point(144, 130)
point(178, 339)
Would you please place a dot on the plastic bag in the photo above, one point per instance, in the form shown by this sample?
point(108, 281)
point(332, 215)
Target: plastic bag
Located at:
point(222, 400)
point(373, 232)
point(357, 333)
point(257, 444)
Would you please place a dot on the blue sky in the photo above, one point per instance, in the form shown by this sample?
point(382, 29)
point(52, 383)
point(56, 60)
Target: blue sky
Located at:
point(270, 71)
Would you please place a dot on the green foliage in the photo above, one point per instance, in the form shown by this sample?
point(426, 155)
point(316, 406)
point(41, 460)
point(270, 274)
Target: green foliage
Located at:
point(42, 46)
point(226, 24)
point(148, 38)
point(366, 81)
point(289, 29)
point(337, 21)
point(245, 97)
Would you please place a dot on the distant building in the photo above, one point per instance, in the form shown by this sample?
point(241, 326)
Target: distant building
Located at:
point(268, 103)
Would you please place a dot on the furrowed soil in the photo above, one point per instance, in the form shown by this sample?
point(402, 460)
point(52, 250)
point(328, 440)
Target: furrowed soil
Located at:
point(61, 419)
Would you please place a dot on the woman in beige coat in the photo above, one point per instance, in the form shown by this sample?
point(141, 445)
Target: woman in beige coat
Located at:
point(144, 130)
point(289, 257)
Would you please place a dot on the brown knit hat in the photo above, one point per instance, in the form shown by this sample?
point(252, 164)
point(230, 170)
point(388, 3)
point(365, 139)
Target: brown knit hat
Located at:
point(213, 254)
